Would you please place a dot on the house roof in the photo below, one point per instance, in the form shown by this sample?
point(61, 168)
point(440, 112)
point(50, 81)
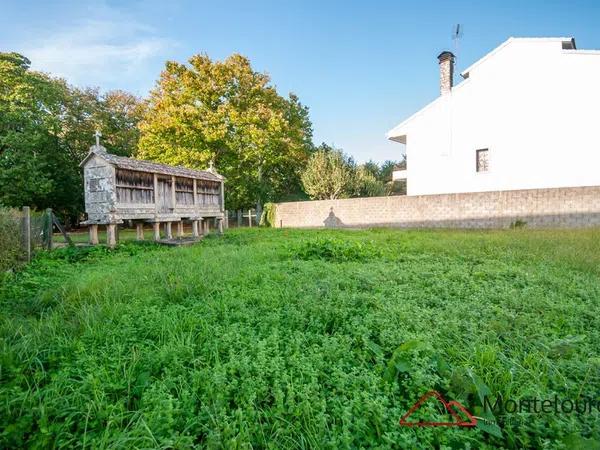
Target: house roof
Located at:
point(123, 162)
point(569, 40)
point(398, 133)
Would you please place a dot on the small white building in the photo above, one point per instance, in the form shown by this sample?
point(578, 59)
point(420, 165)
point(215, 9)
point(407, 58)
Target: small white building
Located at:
point(525, 116)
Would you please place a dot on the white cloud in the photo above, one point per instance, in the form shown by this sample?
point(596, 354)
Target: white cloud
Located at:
point(108, 51)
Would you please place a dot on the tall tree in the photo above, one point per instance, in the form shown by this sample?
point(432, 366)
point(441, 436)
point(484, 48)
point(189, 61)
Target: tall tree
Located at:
point(119, 116)
point(372, 167)
point(392, 187)
point(29, 104)
point(366, 183)
point(46, 129)
point(329, 174)
point(224, 111)
point(386, 170)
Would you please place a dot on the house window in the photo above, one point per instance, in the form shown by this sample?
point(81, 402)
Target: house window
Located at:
point(482, 162)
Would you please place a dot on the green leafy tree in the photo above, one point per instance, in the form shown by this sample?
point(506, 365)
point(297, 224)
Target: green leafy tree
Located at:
point(386, 170)
point(116, 114)
point(46, 129)
point(384, 185)
point(119, 116)
point(392, 187)
point(29, 106)
point(366, 183)
point(224, 111)
point(371, 167)
point(329, 174)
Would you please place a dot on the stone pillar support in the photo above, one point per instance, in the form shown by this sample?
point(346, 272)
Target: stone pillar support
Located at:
point(156, 230)
point(139, 231)
point(111, 234)
point(168, 230)
point(195, 230)
point(220, 225)
point(180, 229)
point(93, 229)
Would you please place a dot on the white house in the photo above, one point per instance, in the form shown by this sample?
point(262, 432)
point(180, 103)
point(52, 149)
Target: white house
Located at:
point(525, 116)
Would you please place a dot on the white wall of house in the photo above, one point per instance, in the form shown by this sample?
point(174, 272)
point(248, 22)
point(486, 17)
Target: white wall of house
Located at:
point(535, 106)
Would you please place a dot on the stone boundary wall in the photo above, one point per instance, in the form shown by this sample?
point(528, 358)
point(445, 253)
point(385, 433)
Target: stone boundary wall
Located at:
point(539, 208)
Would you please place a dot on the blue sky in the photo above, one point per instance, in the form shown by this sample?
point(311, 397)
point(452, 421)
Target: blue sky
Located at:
point(361, 67)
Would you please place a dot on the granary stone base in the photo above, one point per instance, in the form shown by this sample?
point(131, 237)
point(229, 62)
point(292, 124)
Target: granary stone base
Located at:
point(200, 227)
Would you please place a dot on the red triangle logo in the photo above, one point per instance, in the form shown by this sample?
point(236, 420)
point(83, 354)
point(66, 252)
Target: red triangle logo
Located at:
point(454, 408)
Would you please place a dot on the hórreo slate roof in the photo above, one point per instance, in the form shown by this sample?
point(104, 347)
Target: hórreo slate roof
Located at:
point(123, 162)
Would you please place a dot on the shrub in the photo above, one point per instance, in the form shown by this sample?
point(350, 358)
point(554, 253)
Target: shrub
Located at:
point(518, 224)
point(10, 238)
point(267, 219)
point(332, 249)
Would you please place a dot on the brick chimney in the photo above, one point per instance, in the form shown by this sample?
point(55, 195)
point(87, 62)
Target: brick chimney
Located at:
point(446, 60)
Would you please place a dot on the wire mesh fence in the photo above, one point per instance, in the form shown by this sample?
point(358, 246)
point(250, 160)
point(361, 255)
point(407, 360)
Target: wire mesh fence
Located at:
point(22, 232)
point(25, 231)
point(10, 239)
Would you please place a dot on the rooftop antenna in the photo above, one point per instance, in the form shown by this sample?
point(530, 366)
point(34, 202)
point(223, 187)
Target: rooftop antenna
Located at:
point(457, 34)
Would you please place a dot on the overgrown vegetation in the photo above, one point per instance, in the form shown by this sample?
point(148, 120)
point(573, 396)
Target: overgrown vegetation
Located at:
point(331, 174)
point(267, 218)
point(302, 339)
point(219, 111)
point(334, 249)
point(10, 242)
point(46, 129)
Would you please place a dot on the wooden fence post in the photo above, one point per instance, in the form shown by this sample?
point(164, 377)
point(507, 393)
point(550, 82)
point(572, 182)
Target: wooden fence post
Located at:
point(49, 227)
point(258, 213)
point(61, 229)
point(27, 232)
point(239, 217)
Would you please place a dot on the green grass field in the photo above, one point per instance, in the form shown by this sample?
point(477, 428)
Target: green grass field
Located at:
point(303, 339)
